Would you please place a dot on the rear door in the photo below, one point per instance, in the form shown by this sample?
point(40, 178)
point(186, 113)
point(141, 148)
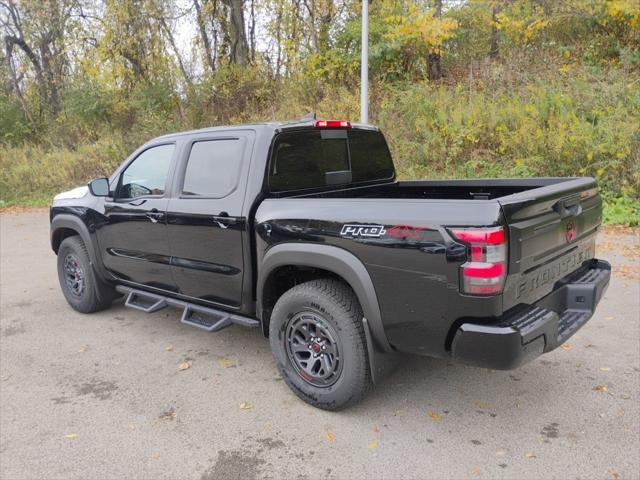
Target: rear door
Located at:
point(205, 224)
point(552, 232)
point(133, 239)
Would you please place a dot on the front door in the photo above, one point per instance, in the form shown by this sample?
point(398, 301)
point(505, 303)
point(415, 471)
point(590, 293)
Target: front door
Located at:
point(204, 218)
point(133, 240)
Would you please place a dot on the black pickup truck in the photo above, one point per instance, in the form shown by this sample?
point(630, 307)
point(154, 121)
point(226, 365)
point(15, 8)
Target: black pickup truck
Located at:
point(301, 229)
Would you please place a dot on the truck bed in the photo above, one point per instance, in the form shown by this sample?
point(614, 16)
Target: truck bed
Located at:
point(477, 189)
point(550, 225)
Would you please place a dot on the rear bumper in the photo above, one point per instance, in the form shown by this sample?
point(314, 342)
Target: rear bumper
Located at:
point(527, 331)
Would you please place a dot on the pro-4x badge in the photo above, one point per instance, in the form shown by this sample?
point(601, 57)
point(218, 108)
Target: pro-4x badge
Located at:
point(353, 230)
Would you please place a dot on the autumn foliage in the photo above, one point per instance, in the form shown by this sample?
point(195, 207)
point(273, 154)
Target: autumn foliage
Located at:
point(462, 88)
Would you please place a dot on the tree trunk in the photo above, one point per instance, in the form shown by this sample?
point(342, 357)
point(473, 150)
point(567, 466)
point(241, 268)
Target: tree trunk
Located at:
point(434, 66)
point(204, 37)
point(493, 50)
point(11, 41)
point(239, 48)
point(176, 52)
point(278, 40)
point(326, 18)
point(15, 81)
point(252, 31)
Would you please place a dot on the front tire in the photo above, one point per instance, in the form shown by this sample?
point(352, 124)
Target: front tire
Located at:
point(318, 341)
point(78, 281)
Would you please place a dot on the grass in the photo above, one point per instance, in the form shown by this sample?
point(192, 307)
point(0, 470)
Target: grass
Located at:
point(563, 123)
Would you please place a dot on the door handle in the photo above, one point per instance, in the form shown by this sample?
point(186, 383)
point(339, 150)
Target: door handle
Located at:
point(154, 215)
point(224, 220)
point(570, 207)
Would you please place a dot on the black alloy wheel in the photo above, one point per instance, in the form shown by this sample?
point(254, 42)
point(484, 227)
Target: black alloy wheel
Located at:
point(318, 340)
point(313, 348)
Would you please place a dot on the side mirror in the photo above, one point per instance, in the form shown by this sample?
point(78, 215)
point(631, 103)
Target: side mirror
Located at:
point(99, 187)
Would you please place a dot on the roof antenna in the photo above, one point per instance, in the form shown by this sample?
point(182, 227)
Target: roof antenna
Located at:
point(309, 116)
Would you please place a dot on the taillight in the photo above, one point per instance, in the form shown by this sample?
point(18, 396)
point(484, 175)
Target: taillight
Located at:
point(487, 250)
point(333, 124)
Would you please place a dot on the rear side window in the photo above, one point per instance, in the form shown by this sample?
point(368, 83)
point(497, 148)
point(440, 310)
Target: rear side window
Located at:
point(317, 158)
point(213, 167)
point(147, 174)
point(370, 157)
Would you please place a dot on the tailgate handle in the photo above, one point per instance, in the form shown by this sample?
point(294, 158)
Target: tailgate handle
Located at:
point(568, 207)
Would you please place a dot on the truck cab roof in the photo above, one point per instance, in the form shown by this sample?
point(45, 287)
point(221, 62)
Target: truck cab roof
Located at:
point(274, 127)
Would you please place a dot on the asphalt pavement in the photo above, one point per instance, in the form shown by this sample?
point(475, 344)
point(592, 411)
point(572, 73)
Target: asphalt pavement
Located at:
point(123, 394)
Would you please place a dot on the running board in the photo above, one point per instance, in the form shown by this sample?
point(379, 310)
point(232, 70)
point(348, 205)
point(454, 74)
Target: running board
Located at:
point(205, 318)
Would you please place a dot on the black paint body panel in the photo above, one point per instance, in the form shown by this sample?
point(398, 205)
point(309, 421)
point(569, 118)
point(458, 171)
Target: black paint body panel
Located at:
point(211, 250)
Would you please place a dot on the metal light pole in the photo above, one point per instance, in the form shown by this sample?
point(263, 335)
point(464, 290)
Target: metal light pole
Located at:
point(364, 64)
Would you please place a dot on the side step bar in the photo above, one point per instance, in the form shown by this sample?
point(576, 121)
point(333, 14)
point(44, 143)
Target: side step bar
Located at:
point(205, 318)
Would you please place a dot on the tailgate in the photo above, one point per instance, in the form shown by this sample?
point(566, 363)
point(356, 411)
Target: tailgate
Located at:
point(551, 233)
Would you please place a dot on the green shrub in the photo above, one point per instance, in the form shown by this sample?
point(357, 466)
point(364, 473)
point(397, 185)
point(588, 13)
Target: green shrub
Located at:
point(562, 122)
point(34, 174)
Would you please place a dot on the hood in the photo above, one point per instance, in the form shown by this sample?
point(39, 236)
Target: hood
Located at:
point(77, 192)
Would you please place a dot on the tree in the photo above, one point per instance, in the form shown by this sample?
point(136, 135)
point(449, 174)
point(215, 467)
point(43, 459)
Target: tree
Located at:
point(132, 44)
point(209, 53)
point(493, 49)
point(239, 47)
point(420, 35)
point(434, 66)
point(37, 31)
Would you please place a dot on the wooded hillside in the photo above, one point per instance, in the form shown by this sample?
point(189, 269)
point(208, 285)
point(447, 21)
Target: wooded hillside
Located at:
point(461, 88)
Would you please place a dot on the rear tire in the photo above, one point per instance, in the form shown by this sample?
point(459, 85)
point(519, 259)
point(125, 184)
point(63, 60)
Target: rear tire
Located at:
point(82, 289)
point(318, 341)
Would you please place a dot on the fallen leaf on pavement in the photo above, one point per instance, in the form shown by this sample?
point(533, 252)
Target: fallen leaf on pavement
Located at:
point(225, 363)
point(628, 272)
point(501, 453)
point(329, 437)
point(184, 366)
point(83, 349)
point(169, 348)
point(71, 435)
point(433, 415)
point(605, 369)
point(600, 388)
point(376, 429)
point(530, 455)
point(614, 473)
point(168, 415)
point(482, 405)
point(373, 445)
point(609, 318)
point(476, 471)
point(566, 346)
point(246, 406)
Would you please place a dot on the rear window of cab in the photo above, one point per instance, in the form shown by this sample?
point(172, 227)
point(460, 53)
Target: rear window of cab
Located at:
point(307, 159)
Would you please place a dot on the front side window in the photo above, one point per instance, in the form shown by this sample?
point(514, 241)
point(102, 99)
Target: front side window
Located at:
point(213, 167)
point(147, 174)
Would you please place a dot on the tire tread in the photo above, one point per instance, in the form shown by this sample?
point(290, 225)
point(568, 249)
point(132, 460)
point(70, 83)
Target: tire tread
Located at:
point(101, 295)
point(342, 296)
